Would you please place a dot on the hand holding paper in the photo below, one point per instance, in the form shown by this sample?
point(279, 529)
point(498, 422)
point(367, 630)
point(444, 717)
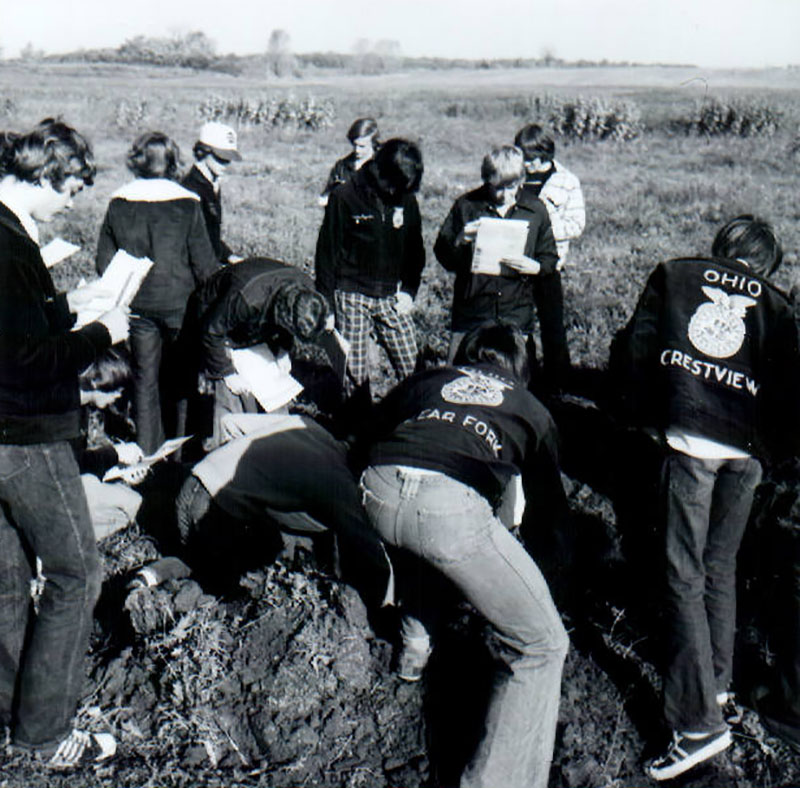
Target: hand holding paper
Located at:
point(236, 383)
point(522, 264)
point(266, 376)
point(467, 235)
point(121, 280)
point(129, 453)
point(498, 240)
point(130, 471)
point(116, 321)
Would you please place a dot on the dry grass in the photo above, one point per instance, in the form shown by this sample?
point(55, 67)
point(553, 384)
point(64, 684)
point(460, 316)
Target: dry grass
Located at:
point(648, 199)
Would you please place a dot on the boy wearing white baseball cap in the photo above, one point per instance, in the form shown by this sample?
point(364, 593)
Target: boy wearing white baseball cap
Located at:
point(215, 149)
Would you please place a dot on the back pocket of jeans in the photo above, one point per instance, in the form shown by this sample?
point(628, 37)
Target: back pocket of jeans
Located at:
point(13, 460)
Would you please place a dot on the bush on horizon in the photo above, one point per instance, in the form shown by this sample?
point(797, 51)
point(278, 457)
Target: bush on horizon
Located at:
point(270, 111)
point(739, 118)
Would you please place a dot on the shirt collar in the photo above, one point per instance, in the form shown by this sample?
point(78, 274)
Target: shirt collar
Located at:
point(25, 219)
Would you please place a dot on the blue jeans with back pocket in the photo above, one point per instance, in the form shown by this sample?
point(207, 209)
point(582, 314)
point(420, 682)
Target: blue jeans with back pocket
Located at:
point(452, 527)
point(44, 513)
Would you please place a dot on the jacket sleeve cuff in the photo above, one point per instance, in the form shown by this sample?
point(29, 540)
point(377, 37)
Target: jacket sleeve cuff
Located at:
point(97, 334)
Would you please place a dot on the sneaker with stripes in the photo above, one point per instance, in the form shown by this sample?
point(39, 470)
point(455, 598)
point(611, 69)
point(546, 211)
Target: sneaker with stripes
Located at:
point(81, 748)
point(686, 751)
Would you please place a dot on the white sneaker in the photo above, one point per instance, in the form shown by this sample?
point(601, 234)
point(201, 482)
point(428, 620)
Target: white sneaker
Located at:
point(81, 748)
point(688, 751)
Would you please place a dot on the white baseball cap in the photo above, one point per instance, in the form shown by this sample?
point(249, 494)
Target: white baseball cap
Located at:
point(221, 139)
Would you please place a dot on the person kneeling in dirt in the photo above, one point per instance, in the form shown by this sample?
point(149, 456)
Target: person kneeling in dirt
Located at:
point(447, 442)
point(112, 506)
point(710, 361)
point(290, 473)
point(256, 301)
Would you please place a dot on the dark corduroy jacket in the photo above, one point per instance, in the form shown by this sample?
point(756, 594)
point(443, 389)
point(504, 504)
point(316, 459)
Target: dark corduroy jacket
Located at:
point(159, 219)
point(479, 297)
point(211, 203)
point(366, 245)
point(40, 357)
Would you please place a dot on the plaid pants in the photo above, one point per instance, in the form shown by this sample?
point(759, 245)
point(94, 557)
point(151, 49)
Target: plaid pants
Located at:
point(357, 315)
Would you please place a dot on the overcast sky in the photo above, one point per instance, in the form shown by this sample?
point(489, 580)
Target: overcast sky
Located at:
point(702, 32)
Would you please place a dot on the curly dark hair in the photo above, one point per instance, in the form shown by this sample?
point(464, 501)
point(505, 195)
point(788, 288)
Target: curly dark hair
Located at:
point(52, 150)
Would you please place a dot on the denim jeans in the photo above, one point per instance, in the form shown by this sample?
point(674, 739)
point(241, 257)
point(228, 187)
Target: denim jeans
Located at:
point(44, 514)
point(549, 298)
point(452, 527)
point(708, 504)
point(159, 381)
point(225, 404)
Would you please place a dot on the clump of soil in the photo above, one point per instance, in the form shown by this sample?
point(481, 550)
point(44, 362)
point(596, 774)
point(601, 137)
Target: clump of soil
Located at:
point(284, 685)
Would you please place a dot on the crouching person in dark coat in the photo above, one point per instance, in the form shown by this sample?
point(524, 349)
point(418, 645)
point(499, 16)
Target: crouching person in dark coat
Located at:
point(257, 301)
point(292, 475)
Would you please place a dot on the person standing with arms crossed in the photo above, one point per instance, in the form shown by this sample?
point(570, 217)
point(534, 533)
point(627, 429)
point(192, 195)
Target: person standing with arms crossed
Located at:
point(550, 183)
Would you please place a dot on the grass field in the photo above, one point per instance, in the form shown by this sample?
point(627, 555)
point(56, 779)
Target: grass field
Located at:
point(658, 196)
point(661, 195)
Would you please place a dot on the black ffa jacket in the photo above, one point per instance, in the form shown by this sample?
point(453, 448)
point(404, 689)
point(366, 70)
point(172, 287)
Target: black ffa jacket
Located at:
point(211, 203)
point(159, 219)
point(40, 357)
point(340, 173)
point(478, 297)
point(234, 308)
point(366, 245)
point(474, 424)
point(712, 349)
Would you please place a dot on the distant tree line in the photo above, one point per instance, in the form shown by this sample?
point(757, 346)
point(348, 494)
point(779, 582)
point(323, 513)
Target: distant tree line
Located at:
point(196, 50)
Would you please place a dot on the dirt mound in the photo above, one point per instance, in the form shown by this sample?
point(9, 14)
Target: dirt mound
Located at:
point(286, 683)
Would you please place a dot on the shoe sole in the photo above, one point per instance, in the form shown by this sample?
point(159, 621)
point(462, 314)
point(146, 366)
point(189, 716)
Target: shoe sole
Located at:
point(713, 748)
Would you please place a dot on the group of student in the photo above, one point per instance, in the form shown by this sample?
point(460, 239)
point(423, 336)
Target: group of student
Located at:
point(422, 488)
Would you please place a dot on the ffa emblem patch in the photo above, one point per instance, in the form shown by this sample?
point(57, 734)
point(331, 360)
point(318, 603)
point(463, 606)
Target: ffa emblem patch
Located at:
point(717, 329)
point(397, 218)
point(474, 388)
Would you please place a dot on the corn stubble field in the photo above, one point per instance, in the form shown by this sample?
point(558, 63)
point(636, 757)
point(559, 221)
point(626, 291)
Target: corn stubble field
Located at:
point(287, 684)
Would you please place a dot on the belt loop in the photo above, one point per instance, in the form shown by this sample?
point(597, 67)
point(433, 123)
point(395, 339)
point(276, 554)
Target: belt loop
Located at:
point(409, 484)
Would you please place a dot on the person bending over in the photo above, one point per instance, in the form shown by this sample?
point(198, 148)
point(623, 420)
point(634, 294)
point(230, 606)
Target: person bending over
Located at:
point(289, 474)
point(709, 364)
point(256, 301)
point(446, 443)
